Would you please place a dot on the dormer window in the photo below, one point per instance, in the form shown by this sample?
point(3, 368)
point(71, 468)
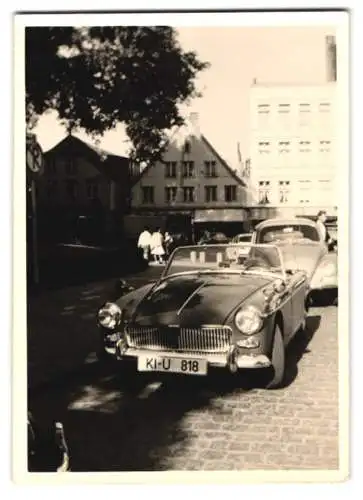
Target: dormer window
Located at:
point(187, 147)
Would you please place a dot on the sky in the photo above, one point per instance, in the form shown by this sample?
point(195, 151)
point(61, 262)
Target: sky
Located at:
point(237, 56)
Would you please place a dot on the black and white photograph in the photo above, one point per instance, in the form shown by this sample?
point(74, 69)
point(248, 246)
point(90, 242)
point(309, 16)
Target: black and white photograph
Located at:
point(181, 215)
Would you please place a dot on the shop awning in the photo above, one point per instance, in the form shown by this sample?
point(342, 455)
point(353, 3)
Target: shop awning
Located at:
point(220, 215)
point(264, 212)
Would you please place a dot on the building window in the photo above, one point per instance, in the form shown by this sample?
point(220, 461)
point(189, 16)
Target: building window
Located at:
point(72, 189)
point(210, 169)
point(284, 147)
point(188, 169)
point(148, 194)
point(264, 147)
point(264, 192)
point(52, 189)
point(305, 191)
point(230, 193)
point(170, 194)
point(284, 108)
point(284, 190)
point(305, 146)
point(324, 146)
point(71, 166)
point(263, 109)
point(210, 193)
point(92, 190)
point(304, 107)
point(188, 194)
point(170, 169)
point(325, 185)
point(324, 107)
point(187, 147)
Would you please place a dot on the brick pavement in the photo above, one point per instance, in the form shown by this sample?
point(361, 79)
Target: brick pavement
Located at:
point(295, 427)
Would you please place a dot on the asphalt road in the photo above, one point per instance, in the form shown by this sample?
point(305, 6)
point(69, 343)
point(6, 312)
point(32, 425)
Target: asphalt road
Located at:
point(126, 422)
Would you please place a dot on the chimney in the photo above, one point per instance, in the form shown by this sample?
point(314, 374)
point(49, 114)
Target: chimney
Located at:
point(331, 58)
point(194, 124)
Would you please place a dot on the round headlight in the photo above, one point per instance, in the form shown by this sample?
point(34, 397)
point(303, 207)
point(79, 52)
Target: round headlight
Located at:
point(109, 316)
point(248, 320)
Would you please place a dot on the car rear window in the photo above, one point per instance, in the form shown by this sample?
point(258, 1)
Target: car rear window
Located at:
point(276, 233)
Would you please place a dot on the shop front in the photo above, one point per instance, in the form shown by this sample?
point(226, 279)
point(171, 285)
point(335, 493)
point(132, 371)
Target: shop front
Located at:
point(229, 221)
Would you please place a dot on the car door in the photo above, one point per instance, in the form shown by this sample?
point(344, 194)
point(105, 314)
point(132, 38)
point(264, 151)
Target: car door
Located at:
point(298, 294)
point(287, 311)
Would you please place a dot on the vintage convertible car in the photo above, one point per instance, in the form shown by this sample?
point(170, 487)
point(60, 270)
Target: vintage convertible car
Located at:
point(210, 309)
point(303, 248)
point(243, 238)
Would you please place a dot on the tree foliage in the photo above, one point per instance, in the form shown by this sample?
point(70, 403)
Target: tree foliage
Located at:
point(98, 77)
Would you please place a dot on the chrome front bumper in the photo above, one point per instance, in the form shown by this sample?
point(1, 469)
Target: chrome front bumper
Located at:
point(233, 360)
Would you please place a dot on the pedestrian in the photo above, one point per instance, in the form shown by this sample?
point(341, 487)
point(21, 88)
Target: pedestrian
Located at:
point(168, 241)
point(320, 222)
point(156, 245)
point(144, 242)
point(205, 238)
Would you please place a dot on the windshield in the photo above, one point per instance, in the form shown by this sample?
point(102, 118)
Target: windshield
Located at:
point(233, 258)
point(288, 233)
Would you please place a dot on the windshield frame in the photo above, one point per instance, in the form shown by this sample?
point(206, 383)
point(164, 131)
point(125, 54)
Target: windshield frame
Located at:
point(282, 274)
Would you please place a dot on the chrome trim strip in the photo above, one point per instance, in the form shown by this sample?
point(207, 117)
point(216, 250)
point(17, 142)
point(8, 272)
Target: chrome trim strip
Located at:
point(299, 283)
point(189, 298)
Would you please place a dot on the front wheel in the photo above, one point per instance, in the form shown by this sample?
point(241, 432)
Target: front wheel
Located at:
point(278, 360)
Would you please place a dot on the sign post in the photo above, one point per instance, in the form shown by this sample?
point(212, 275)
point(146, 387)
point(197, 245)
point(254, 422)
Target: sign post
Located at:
point(35, 164)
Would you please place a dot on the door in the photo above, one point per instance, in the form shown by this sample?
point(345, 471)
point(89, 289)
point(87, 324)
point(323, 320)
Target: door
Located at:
point(287, 312)
point(298, 290)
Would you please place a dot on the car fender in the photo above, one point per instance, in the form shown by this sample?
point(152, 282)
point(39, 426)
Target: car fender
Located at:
point(326, 273)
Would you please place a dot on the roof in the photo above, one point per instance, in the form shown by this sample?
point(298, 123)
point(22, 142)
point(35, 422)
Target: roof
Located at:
point(210, 147)
point(223, 162)
point(107, 164)
point(281, 220)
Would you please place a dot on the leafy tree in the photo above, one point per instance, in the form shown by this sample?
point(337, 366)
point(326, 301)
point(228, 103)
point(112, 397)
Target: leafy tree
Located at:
point(96, 77)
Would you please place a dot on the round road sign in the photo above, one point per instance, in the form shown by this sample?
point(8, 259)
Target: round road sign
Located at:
point(34, 157)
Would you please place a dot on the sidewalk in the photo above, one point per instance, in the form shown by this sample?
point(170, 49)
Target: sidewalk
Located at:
point(62, 329)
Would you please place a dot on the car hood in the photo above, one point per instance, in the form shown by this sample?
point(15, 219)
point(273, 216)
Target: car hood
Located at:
point(304, 257)
point(194, 300)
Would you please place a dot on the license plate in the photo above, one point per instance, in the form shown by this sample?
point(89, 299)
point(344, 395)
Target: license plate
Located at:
point(188, 366)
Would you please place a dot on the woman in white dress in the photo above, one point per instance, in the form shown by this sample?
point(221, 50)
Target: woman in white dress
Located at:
point(156, 246)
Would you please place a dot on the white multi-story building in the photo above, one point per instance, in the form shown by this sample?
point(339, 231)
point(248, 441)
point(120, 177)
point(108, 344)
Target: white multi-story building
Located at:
point(293, 146)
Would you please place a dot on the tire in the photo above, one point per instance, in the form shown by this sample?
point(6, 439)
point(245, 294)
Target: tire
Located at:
point(278, 360)
point(310, 300)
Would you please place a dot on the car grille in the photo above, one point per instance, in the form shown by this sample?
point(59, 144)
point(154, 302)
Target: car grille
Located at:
point(205, 339)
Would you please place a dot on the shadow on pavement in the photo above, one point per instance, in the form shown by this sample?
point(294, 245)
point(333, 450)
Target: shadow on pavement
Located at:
point(61, 327)
point(298, 347)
